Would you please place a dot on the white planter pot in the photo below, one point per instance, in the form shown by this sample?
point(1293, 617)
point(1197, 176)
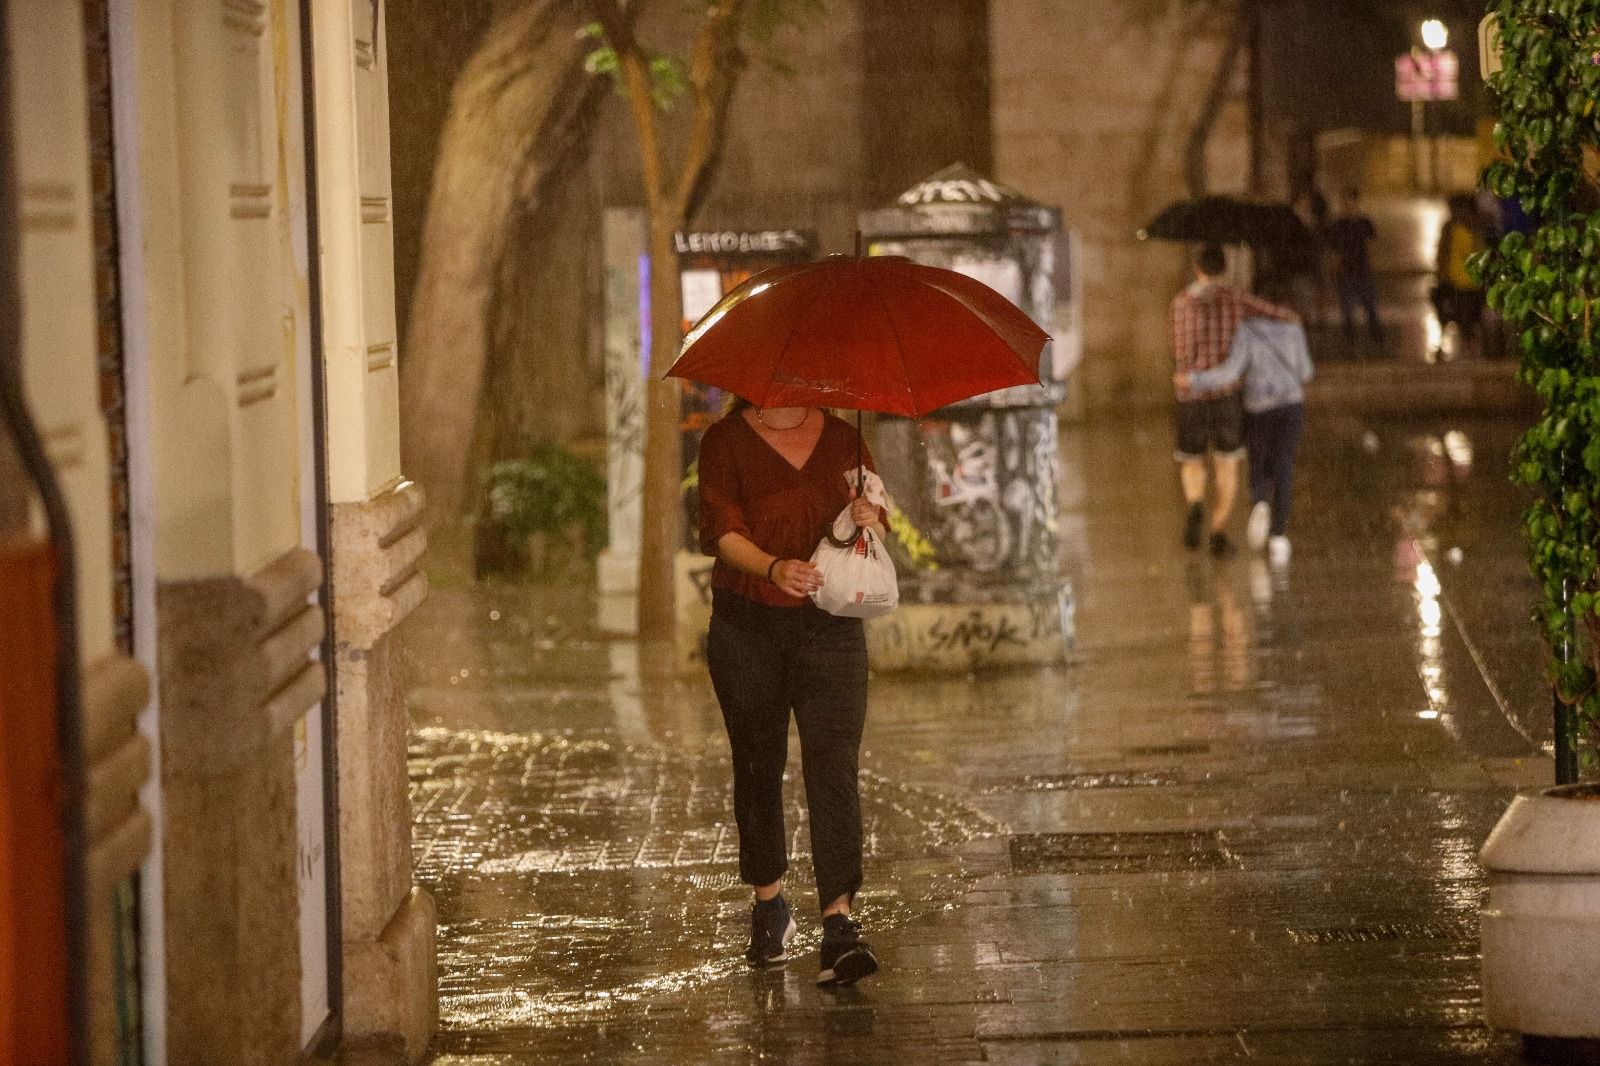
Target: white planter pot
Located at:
point(1541, 924)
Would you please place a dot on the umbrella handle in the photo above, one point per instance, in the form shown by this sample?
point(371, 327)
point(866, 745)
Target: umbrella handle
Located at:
point(861, 483)
point(860, 468)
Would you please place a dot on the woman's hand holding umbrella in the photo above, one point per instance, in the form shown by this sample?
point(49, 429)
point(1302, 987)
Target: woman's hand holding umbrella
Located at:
point(798, 577)
point(864, 513)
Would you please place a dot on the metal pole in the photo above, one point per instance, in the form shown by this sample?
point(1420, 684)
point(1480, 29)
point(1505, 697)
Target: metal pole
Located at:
point(1416, 145)
point(1566, 725)
point(1566, 720)
point(328, 1038)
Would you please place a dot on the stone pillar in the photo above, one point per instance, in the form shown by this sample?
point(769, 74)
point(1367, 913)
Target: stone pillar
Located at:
point(390, 974)
point(237, 676)
point(623, 233)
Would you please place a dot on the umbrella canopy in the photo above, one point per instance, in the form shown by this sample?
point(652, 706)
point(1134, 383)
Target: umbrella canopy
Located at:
point(875, 334)
point(1228, 220)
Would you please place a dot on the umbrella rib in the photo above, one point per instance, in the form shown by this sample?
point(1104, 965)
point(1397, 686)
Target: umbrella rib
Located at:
point(777, 364)
point(900, 347)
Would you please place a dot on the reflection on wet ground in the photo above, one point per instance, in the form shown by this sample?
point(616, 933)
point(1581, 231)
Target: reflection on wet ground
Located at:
point(1241, 823)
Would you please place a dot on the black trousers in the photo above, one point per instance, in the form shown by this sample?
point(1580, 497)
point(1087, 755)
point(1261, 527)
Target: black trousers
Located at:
point(1271, 438)
point(765, 662)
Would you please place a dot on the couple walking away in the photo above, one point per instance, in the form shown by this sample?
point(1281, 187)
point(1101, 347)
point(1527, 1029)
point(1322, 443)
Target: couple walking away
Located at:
point(1220, 336)
point(770, 480)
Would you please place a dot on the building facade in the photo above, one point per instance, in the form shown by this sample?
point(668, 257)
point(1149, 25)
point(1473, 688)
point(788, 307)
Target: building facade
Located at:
point(207, 346)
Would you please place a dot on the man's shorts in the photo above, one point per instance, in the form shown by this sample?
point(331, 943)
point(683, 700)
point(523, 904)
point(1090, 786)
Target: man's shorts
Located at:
point(1215, 424)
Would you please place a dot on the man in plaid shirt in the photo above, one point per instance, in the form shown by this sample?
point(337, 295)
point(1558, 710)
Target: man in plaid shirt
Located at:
point(1205, 316)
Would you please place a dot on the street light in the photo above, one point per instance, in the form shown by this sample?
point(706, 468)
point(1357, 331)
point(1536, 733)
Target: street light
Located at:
point(1435, 35)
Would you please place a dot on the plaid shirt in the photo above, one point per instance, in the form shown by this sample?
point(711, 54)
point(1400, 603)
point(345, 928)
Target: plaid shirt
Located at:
point(1203, 324)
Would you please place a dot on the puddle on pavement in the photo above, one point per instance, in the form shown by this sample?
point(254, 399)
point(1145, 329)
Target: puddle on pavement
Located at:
point(578, 876)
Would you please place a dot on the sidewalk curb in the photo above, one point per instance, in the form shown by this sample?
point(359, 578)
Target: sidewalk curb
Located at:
point(1414, 387)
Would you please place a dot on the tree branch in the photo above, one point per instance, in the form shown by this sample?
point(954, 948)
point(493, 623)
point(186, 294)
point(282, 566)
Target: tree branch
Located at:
point(713, 75)
point(634, 68)
point(1194, 161)
point(616, 23)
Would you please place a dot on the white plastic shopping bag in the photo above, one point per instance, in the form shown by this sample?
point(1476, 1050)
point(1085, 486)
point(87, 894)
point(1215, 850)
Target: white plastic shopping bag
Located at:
point(858, 579)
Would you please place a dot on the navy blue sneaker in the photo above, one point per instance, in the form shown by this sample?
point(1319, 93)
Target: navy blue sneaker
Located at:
point(771, 928)
point(846, 958)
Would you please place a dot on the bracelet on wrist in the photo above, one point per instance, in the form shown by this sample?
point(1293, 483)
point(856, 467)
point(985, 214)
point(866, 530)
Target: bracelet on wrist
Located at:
point(770, 567)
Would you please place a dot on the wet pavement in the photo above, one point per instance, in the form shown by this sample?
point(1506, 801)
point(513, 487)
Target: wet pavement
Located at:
point(1240, 825)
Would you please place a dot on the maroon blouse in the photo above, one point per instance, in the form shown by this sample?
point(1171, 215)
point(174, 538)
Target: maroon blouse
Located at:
point(746, 487)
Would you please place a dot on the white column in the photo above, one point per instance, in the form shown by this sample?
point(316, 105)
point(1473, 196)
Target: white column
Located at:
point(390, 973)
point(627, 290)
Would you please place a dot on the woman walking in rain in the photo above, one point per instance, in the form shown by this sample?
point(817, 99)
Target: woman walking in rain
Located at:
point(771, 482)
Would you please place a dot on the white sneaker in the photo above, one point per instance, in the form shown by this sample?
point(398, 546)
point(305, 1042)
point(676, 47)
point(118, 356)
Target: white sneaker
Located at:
point(1255, 531)
point(1278, 550)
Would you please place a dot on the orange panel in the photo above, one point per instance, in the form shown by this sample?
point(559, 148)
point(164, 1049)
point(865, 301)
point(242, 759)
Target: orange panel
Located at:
point(33, 958)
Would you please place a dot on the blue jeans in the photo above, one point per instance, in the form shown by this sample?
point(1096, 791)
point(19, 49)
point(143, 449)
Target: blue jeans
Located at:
point(1272, 436)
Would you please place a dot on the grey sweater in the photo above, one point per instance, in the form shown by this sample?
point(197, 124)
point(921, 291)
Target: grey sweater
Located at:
point(1273, 359)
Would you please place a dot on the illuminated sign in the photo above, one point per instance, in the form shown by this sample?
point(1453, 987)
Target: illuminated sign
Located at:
point(745, 242)
point(1426, 76)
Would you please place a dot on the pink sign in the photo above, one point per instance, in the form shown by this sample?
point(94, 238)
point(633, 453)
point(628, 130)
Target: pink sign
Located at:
point(1426, 76)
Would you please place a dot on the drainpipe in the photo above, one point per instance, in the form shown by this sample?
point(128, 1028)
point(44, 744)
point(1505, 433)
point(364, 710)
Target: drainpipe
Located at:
point(332, 1034)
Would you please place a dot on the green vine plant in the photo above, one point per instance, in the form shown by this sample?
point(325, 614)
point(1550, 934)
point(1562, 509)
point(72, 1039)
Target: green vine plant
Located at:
point(1546, 285)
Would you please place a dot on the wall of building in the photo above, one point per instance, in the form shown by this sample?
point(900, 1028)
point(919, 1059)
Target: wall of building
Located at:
point(168, 289)
point(1093, 104)
point(926, 84)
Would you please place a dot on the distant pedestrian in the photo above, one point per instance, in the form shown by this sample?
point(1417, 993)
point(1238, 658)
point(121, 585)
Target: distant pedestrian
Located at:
point(1275, 363)
point(1205, 316)
point(1457, 297)
point(1348, 237)
point(771, 481)
point(1308, 275)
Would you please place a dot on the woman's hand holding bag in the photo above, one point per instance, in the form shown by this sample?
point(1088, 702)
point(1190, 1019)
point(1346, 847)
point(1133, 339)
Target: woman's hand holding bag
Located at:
point(858, 578)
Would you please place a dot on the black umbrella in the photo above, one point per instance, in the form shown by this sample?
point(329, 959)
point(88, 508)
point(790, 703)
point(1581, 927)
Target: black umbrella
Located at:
point(1228, 220)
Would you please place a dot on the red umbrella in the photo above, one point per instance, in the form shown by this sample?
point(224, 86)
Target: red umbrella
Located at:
point(876, 334)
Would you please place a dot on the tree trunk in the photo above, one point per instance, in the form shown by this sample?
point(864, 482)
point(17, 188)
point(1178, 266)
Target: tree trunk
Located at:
point(521, 103)
point(1194, 160)
point(542, 381)
point(671, 198)
point(661, 534)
